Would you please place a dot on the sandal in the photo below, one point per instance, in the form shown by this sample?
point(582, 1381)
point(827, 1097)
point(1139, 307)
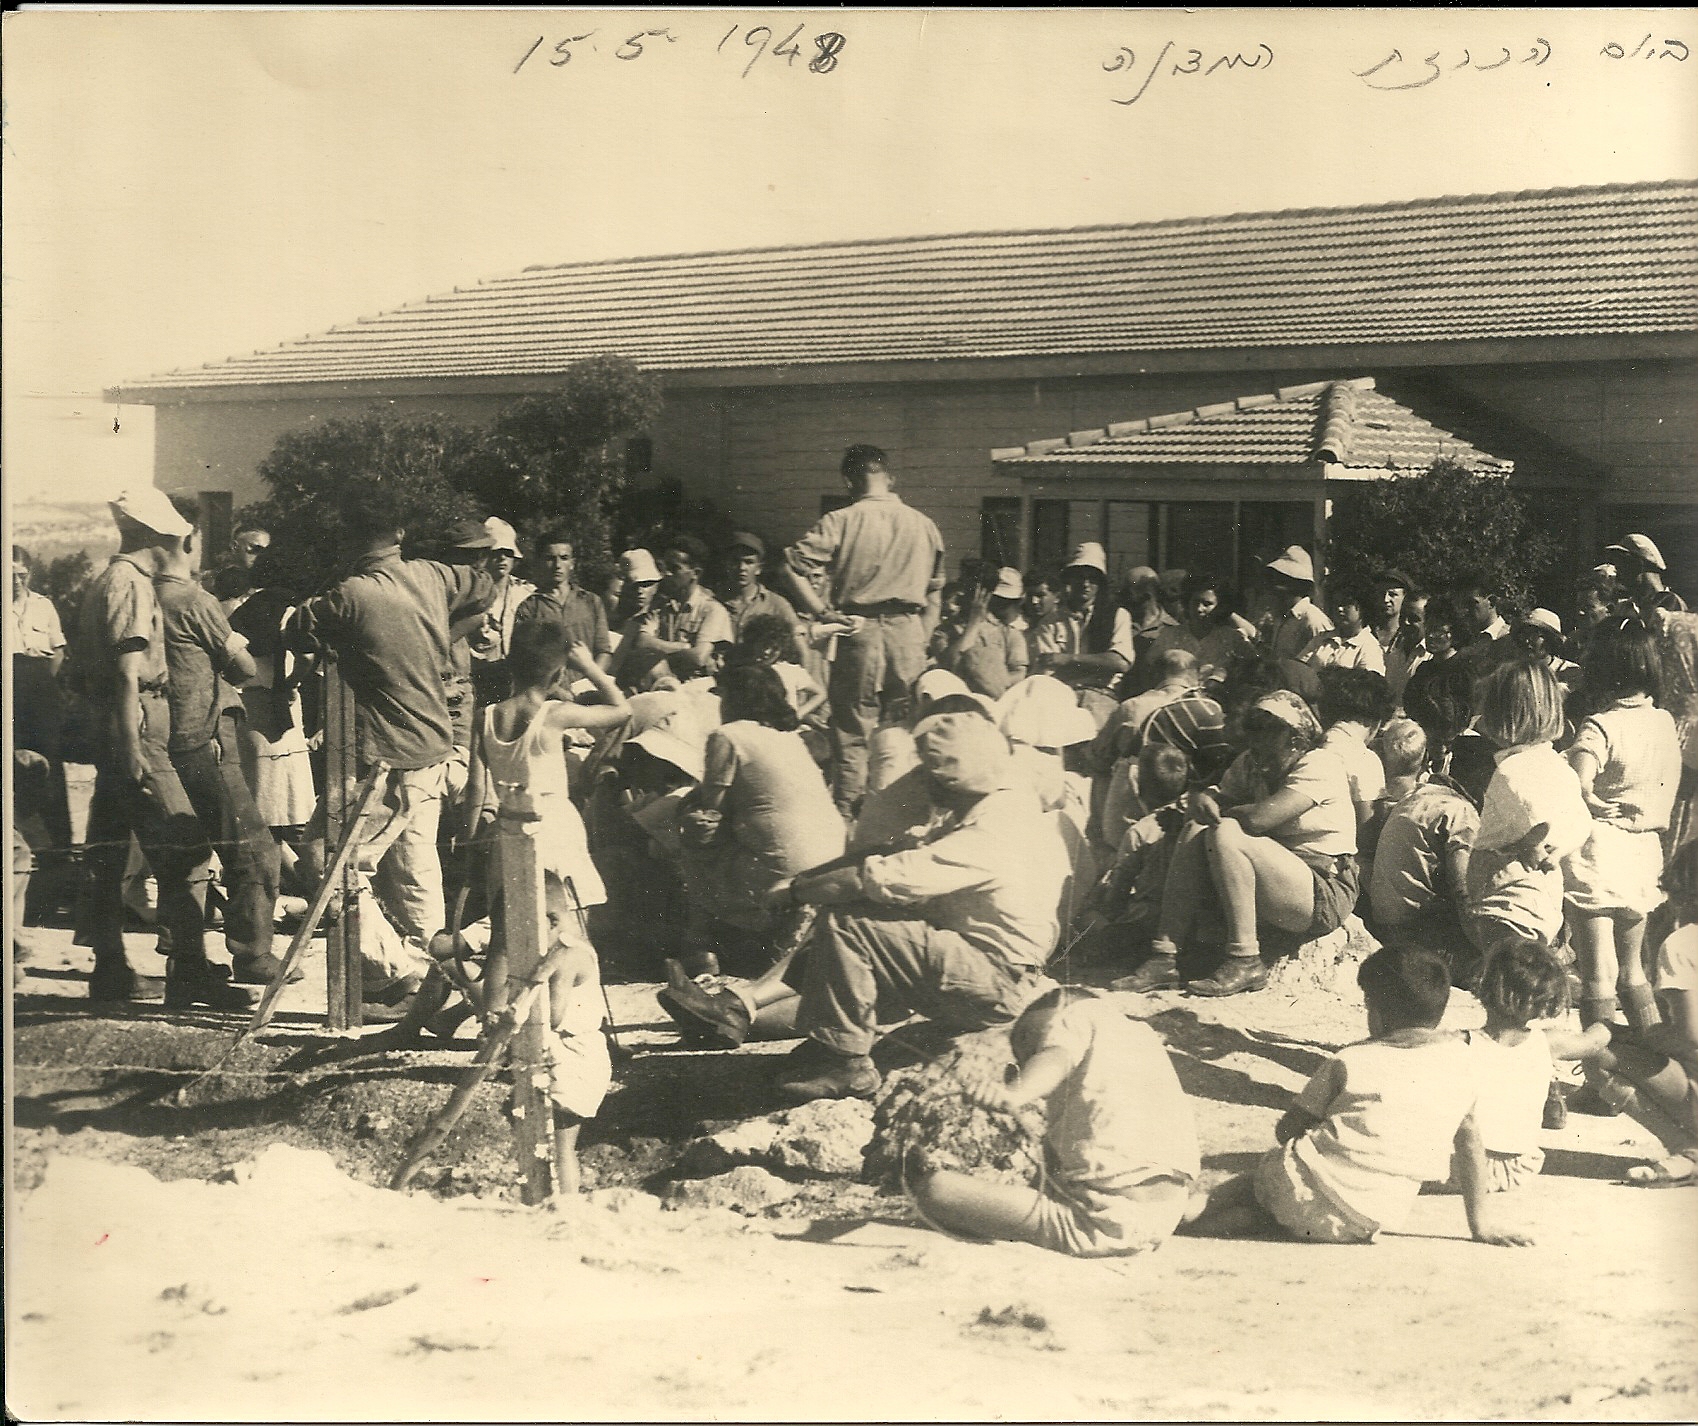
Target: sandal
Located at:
point(1661, 1174)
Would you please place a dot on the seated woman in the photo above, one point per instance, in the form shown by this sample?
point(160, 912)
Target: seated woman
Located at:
point(761, 813)
point(1276, 843)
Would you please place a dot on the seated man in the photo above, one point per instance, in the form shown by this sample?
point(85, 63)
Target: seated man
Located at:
point(957, 928)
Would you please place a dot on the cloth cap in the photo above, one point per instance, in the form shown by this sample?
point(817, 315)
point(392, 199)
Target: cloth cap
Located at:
point(470, 535)
point(1607, 569)
point(1294, 564)
point(151, 508)
point(1009, 584)
point(672, 742)
point(1141, 574)
point(1090, 555)
point(963, 752)
point(502, 536)
point(1640, 547)
point(1393, 579)
point(936, 683)
point(1044, 712)
point(1291, 710)
point(639, 567)
point(1544, 619)
point(747, 540)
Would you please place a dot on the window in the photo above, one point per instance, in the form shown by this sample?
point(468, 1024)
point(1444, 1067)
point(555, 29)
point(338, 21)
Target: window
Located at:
point(999, 530)
point(1050, 547)
point(216, 521)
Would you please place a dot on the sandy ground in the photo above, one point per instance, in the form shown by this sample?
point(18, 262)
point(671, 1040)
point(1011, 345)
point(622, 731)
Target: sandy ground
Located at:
point(298, 1291)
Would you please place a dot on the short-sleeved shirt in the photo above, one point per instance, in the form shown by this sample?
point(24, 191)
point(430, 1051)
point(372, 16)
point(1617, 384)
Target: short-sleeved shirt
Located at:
point(1334, 650)
point(1532, 785)
point(761, 600)
point(1325, 829)
point(582, 615)
point(197, 652)
point(1389, 1111)
point(991, 660)
point(1637, 749)
point(121, 615)
point(1513, 1082)
point(874, 551)
point(691, 620)
point(389, 623)
point(1120, 1117)
point(35, 626)
point(1367, 773)
point(1296, 630)
point(1214, 651)
point(776, 805)
point(1414, 853)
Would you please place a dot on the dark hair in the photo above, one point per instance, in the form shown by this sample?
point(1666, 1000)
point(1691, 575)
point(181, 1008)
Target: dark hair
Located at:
point(187, 506)
point(1442, 703)
point(1038, 1013)
point(1522, 981)
point(1099, 633)
point(764, 634)
point(20, 555)
point(1623, 660)
point(979, 572)
point(1442, 610)
point(537, 653)
point(556, 535)
point(1202, 583)
point(369, 510)
point(1349, 591)
point(1163, 773)
point(1359, 694)
point(1473, 583)
point(687, 545)
point(754, 692)
point(1609, 591)
point(1410, 987)
point(1044, 574)
point(860, 460)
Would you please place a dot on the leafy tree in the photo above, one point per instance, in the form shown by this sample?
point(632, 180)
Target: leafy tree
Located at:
point(308, 468)
point(560, 458)
point(64, 580)
point(1441, 526)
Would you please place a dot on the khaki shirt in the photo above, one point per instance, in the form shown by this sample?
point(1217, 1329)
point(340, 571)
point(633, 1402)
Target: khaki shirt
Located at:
point(874, 551)
point(121, 615)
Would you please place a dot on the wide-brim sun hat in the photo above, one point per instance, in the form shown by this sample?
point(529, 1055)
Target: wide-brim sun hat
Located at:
point(151, 508)
point(1543, 619)
point(1044, 712)
point(1090, 555)
point(936, 683)
point(670, 742)
point(1009, 585)
point(966, 751)
point(502, 536)
point(1294, 564)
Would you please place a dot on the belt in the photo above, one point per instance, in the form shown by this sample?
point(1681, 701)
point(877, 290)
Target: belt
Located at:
point(888, 606)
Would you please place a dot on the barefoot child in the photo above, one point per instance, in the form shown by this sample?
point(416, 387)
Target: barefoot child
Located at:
point(1522, 982)
point(523, 750)
point(1119, 1139)
point(1378, 1120)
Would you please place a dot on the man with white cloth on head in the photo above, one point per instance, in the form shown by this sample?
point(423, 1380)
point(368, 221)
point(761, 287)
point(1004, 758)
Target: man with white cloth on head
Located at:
point(957, 928)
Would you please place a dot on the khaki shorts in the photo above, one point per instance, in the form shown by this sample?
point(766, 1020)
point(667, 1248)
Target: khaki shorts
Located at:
point(1099, 1225)
point(1286, 1189)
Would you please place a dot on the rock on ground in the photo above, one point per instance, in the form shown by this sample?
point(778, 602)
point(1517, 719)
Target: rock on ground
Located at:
point(826, 1138)
point(746, 1190)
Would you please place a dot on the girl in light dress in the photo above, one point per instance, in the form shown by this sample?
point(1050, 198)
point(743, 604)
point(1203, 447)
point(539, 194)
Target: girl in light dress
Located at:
point(522, 749)
point(1627, 758)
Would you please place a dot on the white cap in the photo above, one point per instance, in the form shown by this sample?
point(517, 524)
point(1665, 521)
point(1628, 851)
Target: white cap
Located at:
point(1008, 584)
point(1045, 713)
point(503, 535)
point(1544, 619)
point(639, 567)
point(1641, 547)
point(151, 508)
point(1294, 564)
point(1090, 555)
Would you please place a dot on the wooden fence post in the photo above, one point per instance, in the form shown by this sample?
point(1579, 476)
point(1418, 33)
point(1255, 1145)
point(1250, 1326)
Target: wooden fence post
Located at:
point(525, 923)
point(343, 977)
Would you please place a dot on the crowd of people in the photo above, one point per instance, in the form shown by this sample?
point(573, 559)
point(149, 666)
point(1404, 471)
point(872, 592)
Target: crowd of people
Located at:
point(823, 789)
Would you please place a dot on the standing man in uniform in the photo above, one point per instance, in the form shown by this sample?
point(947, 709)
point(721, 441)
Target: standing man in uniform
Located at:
point(389, 622)
point(883, 563)
point(122, 668)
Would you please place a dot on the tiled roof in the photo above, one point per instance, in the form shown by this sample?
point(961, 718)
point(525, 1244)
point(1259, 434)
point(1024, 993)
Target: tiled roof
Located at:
point(1620, 259)
point(1337, 423)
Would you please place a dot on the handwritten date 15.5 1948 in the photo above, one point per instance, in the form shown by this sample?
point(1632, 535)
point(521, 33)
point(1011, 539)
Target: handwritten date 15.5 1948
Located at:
point(818, 53)
point(1183, 61)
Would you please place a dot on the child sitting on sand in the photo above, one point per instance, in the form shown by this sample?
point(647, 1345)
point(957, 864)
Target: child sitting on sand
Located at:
point(1119, 1138)
point(1379, 1119)
point(1522, 982)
